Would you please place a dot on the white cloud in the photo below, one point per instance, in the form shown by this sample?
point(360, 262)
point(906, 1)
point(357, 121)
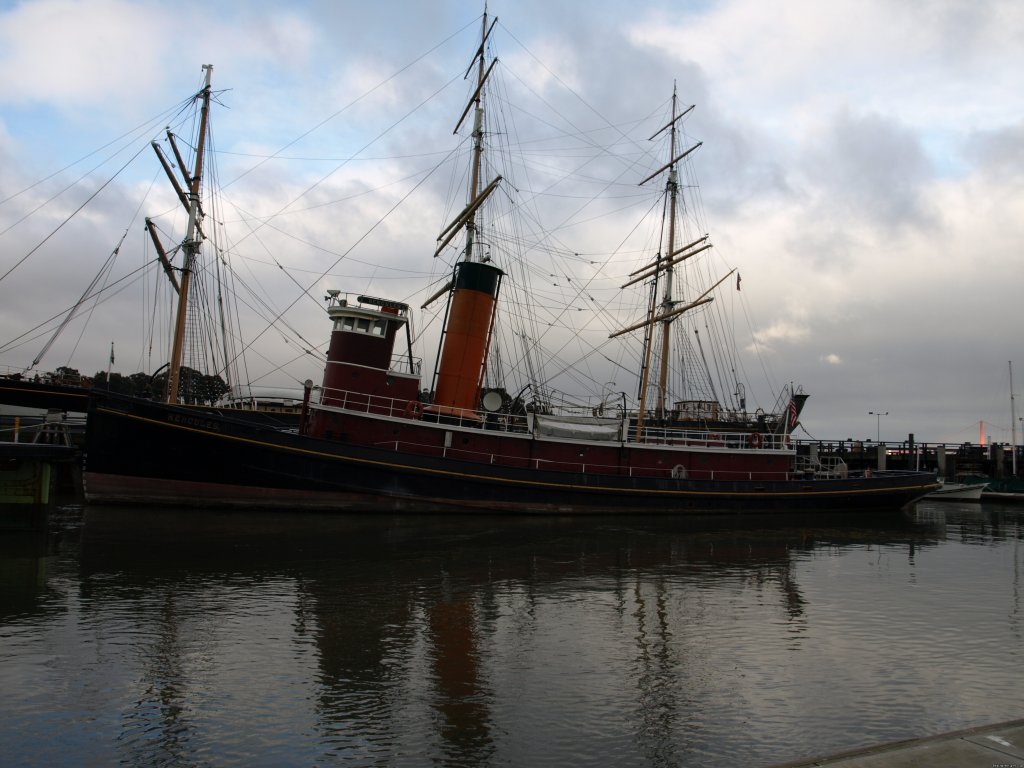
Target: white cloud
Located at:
point(788, 330)
point(863, 163)
point(70, 53)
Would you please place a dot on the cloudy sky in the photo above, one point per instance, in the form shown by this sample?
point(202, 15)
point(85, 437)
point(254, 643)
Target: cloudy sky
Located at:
point(862, 165)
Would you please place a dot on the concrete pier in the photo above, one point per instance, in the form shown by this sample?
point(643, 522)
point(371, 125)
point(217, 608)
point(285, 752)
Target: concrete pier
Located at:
point(988, 746)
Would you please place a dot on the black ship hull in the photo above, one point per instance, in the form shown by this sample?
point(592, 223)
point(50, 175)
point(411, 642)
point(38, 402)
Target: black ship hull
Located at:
point(138, 451)
point(43, 395)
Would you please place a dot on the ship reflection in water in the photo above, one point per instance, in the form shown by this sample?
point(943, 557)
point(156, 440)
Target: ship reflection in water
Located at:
point(190, 637)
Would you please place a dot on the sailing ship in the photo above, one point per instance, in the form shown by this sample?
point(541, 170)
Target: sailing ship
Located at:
point(377, 435)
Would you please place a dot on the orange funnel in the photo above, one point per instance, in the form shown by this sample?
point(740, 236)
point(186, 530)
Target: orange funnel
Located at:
point(460, 369)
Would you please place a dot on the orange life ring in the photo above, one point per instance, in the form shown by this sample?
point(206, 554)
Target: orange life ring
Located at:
point(755, 440)
point(413, 409)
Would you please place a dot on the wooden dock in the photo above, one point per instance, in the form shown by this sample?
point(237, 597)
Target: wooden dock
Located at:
point(991, 746)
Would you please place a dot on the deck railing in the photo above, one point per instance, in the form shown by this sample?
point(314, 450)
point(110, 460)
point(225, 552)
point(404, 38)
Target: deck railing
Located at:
point(415, 409)
point(522, 423)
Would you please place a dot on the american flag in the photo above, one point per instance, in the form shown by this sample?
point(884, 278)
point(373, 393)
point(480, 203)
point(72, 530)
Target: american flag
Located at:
point(792, 413)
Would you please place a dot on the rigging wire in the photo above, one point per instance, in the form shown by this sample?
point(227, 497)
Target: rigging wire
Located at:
point(104, 273)
point(21, 340)
point(348, 106)
point(157, 119)
point(321, 180)
point(580, 288)
point(60, 226)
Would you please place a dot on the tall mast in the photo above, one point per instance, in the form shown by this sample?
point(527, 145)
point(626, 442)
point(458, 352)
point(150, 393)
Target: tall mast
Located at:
point(190, 246)
point(477, 105)
point(662, 272)
point(672, 187)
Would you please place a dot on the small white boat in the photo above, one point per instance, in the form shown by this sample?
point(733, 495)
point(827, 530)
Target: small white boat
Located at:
point(958, 492)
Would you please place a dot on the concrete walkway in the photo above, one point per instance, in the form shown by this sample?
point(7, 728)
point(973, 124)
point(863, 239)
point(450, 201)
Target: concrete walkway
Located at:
point(991, 746)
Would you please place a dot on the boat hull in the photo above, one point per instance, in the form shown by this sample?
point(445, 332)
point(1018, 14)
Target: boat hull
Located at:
point(958, 492)
point(143, 452)
point(1004, 491)
point(42, 395)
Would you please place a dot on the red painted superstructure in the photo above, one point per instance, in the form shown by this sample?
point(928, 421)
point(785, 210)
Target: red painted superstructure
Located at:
point(359, 373)
point(371, 396)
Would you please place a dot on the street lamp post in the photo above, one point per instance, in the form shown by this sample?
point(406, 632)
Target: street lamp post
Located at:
point(878, 415)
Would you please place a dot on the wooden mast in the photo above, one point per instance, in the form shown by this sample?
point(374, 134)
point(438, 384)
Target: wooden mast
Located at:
point(663, 266)
point(190, 246)
point(666, 301)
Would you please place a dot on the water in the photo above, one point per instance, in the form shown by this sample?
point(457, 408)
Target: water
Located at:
point(167, 637)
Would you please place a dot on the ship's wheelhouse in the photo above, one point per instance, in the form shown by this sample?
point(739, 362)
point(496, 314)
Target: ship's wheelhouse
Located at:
point(361, 358)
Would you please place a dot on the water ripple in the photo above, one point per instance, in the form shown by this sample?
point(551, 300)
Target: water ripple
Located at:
point(197, 639)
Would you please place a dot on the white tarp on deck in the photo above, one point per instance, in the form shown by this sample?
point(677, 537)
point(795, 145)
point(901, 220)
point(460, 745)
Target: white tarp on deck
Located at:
point(578, 427)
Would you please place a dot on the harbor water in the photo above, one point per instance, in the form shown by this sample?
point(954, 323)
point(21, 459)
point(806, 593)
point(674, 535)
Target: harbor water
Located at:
point(142, 636)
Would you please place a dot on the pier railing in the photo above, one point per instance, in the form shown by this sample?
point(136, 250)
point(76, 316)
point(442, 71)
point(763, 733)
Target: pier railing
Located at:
point(947, 460)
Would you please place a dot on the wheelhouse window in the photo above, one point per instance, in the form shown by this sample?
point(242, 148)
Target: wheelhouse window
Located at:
point(376, 327)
